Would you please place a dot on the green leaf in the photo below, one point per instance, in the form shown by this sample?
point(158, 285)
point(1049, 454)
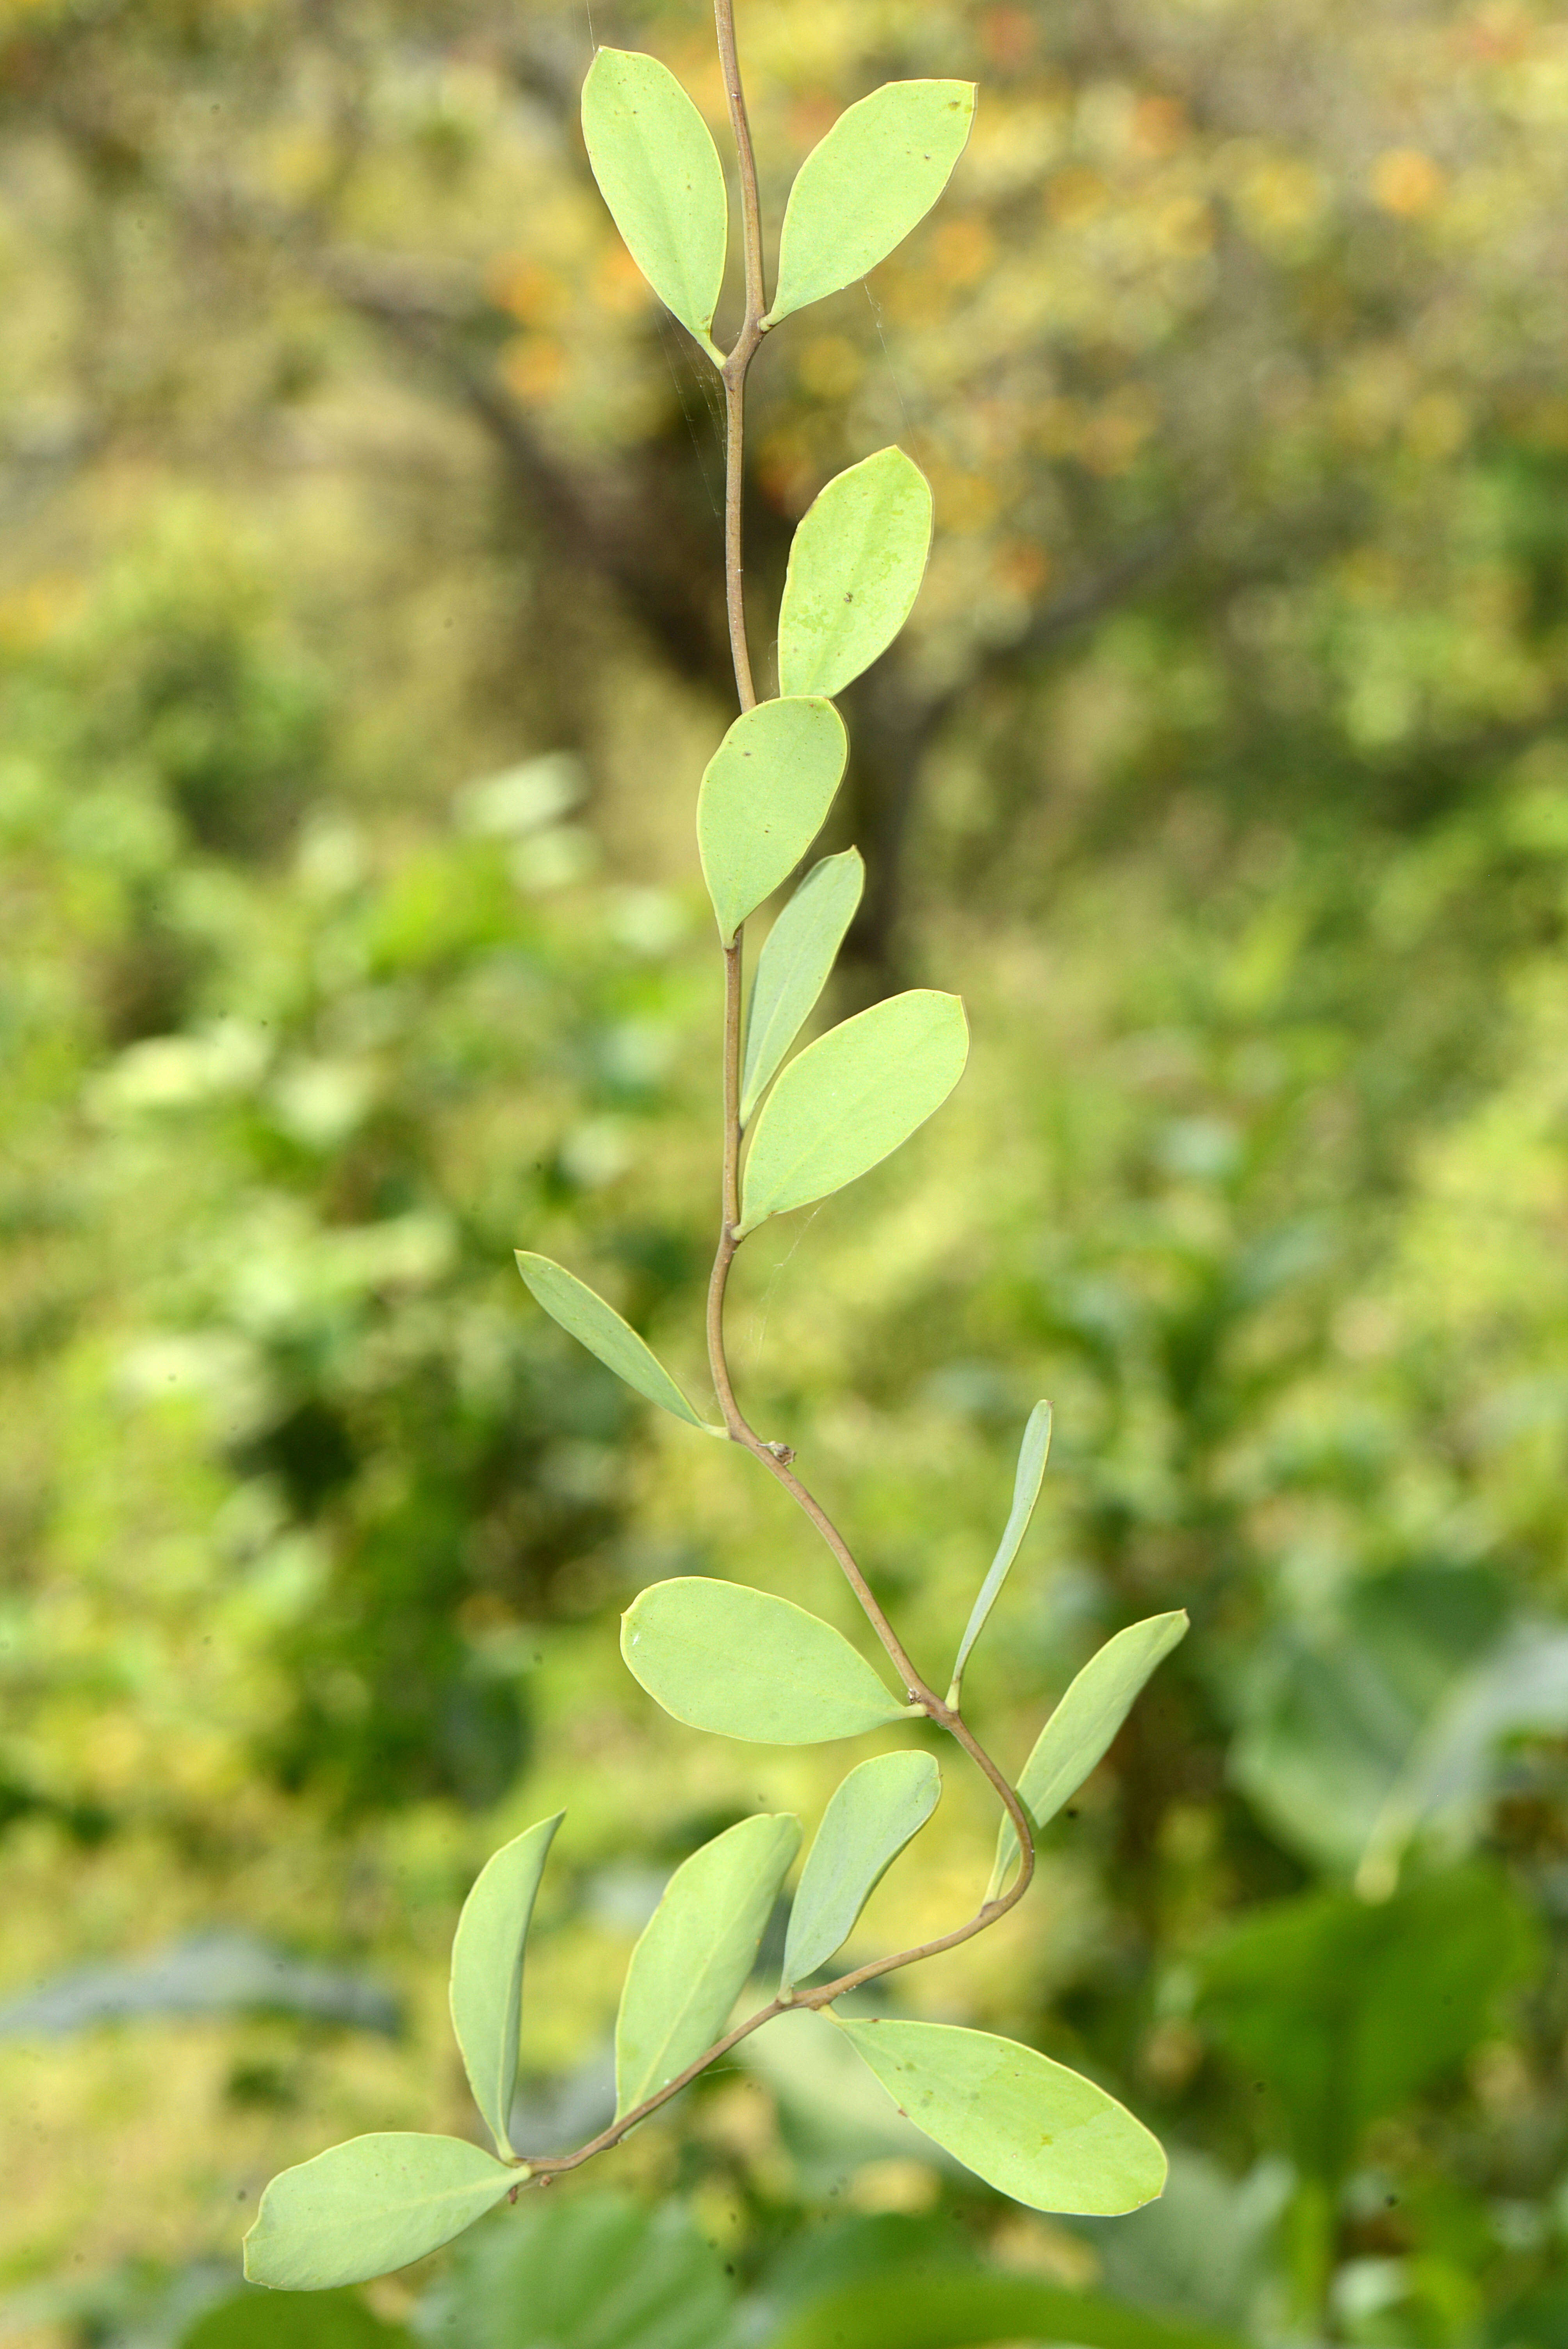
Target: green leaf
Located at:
point(850, 1099)
point(1343, 2009)
point(332, 2320)
point(1082, 1726)
point(586, 1316)
point(367, 2206)
point(1030, 2128)
point(856, 562)
point(793, 967)
point(486, 1971)
point(764, 796)
point(580, 2270)
point(696, 1952)
point(874, 1813)
point(954, 2307)
point(658, 170)
point(861, 191)
point(743, 1663)
point(1026, 1483)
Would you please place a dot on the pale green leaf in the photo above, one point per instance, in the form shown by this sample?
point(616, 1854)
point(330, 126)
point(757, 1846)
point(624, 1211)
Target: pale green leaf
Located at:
point(860, 192)
point(696, 1952)
point(1030, 2128)
point(743, 1663)
point(764, 798)
point(1080, 1730)
point(486, 1971)
point(874, 1814)
point(792, 968)
point(850, 1099)
point(1026, 1483)
point(856, 562)
point(586, 1317)
point(367, 2206)
point(658, 170)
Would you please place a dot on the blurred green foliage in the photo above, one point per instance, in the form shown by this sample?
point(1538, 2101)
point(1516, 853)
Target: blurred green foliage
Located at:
point(361, 649)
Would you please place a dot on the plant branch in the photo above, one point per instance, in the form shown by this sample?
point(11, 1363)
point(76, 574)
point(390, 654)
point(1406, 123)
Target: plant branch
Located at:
point(750, 204)
point(777, 1457)
point(734, 372)
point(544, 2167)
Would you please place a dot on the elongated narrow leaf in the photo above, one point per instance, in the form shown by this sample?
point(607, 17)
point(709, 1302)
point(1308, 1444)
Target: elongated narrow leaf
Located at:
point(1080, 1729)
point(486, 1971)
point(658, 170)
point(1030, 1476)
point(693, 1959)
point(792, 968)
point(1030, 2128)
point(856, 562)
point(367, 2206)
point(764, 799)
point(742, 1663)
point(875, 1811)
point(865, 186)
point(851, 1099)
point(586, 1317)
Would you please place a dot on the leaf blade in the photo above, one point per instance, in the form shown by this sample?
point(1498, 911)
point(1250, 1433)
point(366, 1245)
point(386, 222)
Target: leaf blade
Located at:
point(792, 969)
point(765, 797)
point(365, 2207)
point(870, 181)
point(1034, 2129)
point(485, 1991)
point(849, 1099)
point(744, 1663)
point(1030, 1475)
point(693, 1956)
point(1080, 1731)
point(856, 562)
point(583, 1313)
point(960, 2307)
point(874, 1813)
point(658, 170)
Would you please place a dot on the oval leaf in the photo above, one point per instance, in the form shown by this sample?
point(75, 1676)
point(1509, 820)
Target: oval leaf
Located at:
point(486, 1971)
point(1026, 1483)
point(696, 1952)
point(764, 798)
point(851, 1099)
point(658, 170)
point(864, 187)
point(743, 1663)
point(586, 1317)
point(856, 562)
point(1080, 1729)
point(367, 2206)
point(1030, 2128)
point(793, 967)
point(876, 1810)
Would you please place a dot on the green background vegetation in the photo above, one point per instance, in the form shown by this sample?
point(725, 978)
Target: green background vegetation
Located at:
point(360, 647)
